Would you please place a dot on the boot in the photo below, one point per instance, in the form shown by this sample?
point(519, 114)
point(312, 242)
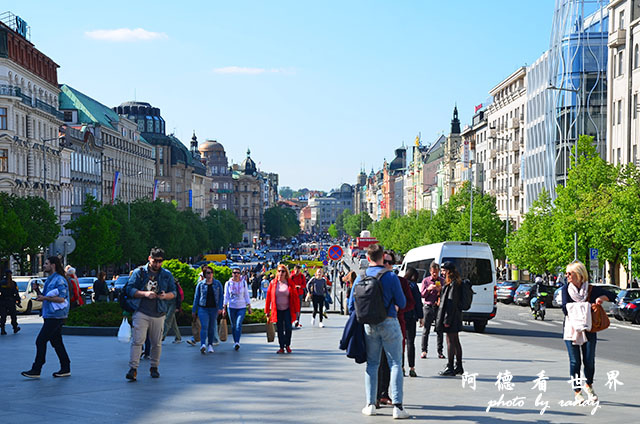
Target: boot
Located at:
point(458, 370)
point(16, 329)
point(448, 371)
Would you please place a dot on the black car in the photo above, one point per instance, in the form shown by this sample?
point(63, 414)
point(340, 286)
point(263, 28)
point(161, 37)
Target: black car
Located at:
point(625, 296)
point(505, 290)
point(117, 284)
point(631, 311)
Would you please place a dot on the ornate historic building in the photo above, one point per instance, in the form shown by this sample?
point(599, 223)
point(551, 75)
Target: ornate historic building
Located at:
point(248, 196)
point(215, 160)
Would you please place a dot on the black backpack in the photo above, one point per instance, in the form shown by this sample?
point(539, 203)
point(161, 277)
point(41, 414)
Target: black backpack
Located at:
point(369, 300)
point(467, 295)
point(123, 297)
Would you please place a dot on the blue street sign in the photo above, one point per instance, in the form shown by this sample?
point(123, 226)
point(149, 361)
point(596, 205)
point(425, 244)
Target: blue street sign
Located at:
point(325, 262)
point(593, 254)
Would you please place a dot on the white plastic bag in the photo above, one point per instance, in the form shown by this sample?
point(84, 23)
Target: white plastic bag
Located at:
point(124, 333)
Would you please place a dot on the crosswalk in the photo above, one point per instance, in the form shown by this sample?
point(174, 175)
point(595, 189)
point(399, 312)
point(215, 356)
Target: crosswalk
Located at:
point(615, 325)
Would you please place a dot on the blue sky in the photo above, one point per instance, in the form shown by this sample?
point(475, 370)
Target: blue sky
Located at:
point(316, 89)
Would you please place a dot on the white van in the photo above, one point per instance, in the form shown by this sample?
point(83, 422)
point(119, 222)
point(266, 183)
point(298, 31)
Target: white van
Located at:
point(474, 261)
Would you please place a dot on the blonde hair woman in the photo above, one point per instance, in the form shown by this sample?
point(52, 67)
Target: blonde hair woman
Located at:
point(578, 289)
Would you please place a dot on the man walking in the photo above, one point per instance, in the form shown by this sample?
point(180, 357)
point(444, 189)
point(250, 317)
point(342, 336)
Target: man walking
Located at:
point(151, 290)
point(385, 335)
point(55, 309)
point(430, 292)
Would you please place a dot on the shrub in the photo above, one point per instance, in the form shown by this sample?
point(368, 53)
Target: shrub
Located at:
point(100, 314)
point(186, 276)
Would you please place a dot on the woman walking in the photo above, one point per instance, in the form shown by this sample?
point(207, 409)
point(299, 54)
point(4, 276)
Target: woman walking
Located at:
point(317, 286)
point(207, 305)
point(100, 289)
point(449, 319)
point(411, 317)
point(236, 299)
point(282, 306)
point(581, 345)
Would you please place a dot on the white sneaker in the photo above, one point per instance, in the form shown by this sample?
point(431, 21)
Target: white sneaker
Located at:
point(216, 343)
point(369, 410)
point(203, 349)
point(592, 395)
point(313, 322)
point(399, 414)
point(579, 397)
point(321, 325)
point(210, 350)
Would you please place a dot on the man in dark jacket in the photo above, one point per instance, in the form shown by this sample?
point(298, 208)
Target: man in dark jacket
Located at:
point(9, 298)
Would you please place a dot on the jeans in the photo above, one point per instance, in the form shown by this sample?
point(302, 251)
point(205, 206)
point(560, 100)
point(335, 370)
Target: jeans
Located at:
point(385, 335)
point(51, 331)
point(588, 351)
point(209, 321)
point(283, 325)
point(430, 313)
point(237, 316)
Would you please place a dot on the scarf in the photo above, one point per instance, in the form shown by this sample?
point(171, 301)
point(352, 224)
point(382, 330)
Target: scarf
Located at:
point(579, 295)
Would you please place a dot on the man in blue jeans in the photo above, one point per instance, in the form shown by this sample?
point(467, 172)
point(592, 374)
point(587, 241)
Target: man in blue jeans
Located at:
point(385, 335)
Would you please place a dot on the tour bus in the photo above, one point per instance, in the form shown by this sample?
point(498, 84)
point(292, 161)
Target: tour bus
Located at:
point(474, 261)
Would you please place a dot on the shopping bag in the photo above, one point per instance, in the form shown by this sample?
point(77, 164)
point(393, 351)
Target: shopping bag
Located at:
point(223, 330)
point(124, 332)
point(271, 332)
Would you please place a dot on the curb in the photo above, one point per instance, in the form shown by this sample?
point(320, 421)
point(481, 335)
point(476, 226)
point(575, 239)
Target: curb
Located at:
point(185, 331)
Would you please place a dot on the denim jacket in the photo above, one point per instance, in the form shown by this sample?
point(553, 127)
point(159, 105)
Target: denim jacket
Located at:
point(55, 281)
point(200, 296)
point(139, 278)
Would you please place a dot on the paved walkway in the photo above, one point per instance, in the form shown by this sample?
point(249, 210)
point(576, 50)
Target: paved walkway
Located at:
point(315, 384)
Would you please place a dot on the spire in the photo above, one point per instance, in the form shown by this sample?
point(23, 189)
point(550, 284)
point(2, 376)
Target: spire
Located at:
point(455, 122)
point(194, 144)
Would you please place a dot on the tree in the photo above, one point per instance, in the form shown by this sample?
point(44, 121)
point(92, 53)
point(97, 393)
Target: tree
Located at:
point(281, 222)
point(224, 228)
point(333, 232)
point(12, 234)
point(96, 233)
point(40, 224)
point(286, 192)
point(353, 224)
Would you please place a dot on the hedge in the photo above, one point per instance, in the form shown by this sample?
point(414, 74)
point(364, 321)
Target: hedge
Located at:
point(110, 314)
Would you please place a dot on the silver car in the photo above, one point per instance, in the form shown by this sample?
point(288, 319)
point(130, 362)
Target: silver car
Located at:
point(28, 293)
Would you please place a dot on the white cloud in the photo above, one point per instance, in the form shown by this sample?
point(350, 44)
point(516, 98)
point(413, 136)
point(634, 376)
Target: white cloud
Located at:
point(125, 34)
point(239, 70)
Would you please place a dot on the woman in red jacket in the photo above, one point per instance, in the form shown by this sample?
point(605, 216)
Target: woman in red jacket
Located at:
point(282, 306)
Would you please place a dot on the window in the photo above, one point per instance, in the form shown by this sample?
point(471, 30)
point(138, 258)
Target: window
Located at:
point(621, 20)
point(619, 111)
point(3, 118)
point(636, 56)
point(635, 106)
point(620, 64)
point(68, 116)
point(4, 160)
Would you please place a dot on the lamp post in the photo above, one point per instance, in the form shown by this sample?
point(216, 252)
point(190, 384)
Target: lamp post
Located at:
point(571, 90)
point(129, 207)
point(506, 259)
point(44, 161)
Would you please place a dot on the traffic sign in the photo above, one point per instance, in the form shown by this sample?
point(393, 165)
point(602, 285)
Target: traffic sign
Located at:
point(593, 258)
point(325, 262)
point(335, 252)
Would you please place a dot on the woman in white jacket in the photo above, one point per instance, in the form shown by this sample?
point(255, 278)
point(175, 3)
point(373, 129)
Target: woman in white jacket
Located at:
point(238, 302)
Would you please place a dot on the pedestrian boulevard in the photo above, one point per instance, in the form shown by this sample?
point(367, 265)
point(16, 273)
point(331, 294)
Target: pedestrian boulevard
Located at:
point(314, 384)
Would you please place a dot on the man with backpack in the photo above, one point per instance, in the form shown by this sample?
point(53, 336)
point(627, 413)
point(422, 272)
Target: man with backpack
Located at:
point(150, 291)
point(376, 297)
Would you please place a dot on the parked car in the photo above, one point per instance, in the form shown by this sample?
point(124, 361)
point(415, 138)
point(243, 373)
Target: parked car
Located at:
point(624, 296)
point(118, 284)
point(557, 298)
point(86, 285)
point(522, 295)
point(505, 290)
point(607, 305)
point(631, 311)
point(27, 290)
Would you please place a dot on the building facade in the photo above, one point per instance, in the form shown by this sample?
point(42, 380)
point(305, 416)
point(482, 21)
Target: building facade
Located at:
point(215, 159)
point(623, 82)
point(247, 191)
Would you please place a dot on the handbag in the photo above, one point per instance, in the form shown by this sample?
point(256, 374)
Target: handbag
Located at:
point(223, 330)
point(599, 319)
point(271, 332)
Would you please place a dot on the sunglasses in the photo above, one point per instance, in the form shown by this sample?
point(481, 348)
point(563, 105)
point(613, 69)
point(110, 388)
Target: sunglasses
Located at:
point(208, 273)
point(388, 262)
point(281, 270)
point(235, 272)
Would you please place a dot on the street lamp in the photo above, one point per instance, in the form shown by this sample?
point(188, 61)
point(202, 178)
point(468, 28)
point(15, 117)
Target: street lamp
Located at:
point(129, 206)
point(61, 139)
point(571, 90)
point(506, 259)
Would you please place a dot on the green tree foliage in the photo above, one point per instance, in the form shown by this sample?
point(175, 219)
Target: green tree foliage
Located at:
point(36, 227)
point(12, 234)
point(186, 276)
point(450, 222)
point(281, 222)
point(533, 247)
point(96, 235)
point(286, 192)
point(224, 229)
point(340, 220)
point(333, 232)
point(353, 224)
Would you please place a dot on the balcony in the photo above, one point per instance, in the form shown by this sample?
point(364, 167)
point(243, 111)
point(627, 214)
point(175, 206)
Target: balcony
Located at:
point(617, 38)
point(515, 168)
point(9, 90)
point(514, 146)
point(493, 173)
point(514, 123)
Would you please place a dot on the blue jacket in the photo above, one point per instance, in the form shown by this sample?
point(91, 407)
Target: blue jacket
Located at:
point(139, 278)
point(391, 290)
point(353, 340)
point(200, 296)
point(55, 281)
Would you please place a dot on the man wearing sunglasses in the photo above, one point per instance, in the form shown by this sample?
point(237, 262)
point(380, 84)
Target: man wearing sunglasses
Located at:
point(151, 289)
